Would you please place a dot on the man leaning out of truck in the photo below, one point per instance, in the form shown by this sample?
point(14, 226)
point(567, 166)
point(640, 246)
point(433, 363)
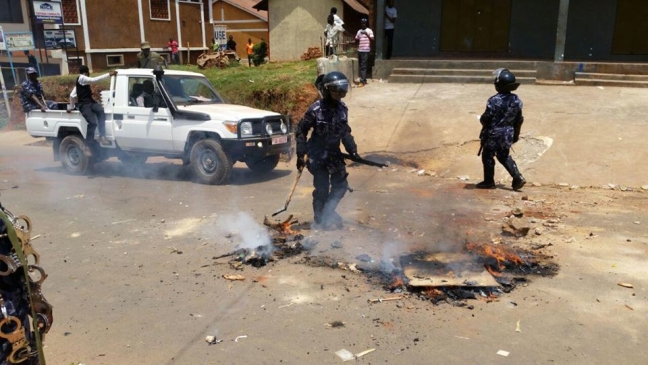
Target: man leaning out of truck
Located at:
point(92, 111)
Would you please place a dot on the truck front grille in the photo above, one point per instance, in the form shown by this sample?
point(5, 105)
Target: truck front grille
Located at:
point(259, 126)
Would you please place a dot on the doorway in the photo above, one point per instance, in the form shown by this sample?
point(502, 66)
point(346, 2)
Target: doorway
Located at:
point(477, 26)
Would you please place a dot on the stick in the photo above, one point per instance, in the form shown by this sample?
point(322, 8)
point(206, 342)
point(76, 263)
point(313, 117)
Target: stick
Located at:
point(380, 300)
point(290, 194)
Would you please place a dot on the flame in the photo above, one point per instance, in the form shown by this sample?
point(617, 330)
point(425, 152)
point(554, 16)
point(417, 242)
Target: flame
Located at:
point(282, 227)
point(397, 282)
point(503, 254)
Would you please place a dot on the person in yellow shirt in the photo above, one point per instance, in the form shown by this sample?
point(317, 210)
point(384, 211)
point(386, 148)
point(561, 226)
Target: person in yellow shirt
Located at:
point(249, 46)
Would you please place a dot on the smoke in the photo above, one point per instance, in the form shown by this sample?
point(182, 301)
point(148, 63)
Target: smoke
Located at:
point(251, 233)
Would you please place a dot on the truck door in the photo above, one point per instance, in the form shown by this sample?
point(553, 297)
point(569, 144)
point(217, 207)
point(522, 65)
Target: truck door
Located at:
point(142, 129)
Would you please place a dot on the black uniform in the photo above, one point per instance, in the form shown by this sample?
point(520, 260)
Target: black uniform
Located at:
point(329, 121)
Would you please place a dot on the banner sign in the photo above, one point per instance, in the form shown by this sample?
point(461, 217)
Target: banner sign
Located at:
point(54, 38)
point(19, 41)
point(220, 35)
point(2, 41)
point(48, 12)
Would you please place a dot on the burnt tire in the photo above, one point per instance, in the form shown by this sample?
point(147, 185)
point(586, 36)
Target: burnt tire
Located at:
point(209, 163)
point(132, 159)
point(73, 156)
point(263, 165)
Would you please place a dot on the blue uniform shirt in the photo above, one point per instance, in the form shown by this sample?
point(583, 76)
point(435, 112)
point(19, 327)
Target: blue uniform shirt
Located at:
point(503, 111)
point(29, 89)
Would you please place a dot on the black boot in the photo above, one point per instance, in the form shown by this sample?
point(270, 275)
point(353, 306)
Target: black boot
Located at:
point(489, 178)
point(318, 206)
point(518, 182)
point(518, 179)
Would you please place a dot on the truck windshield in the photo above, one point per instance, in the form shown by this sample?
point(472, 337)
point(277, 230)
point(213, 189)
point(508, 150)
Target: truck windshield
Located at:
point(185, 89)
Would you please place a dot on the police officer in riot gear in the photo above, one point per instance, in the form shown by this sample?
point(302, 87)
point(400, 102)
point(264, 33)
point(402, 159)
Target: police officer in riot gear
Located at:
point(328, 118)
point(501, 124)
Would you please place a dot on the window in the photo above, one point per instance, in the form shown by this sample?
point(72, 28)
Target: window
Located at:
point(143, 93)
point(11, 11)
point(70, 11)
point(74, 63)
point(160, 9)
point(113, 60)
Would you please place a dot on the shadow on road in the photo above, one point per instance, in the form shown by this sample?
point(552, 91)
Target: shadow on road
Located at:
point(169, 172)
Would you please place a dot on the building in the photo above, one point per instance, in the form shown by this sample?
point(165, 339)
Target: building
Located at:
point(243, 22)
point(553, 30)
point(107, 34)
point(297, 25)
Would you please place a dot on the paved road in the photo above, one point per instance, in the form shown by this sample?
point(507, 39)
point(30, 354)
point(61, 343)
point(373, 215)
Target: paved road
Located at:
point(122, 294)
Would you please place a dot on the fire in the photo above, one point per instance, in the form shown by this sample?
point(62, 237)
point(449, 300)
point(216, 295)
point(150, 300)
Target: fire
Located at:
point(397, 282)
point(282, 227)
point(504, 255)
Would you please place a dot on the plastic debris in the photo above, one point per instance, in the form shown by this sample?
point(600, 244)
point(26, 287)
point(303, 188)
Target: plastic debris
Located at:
point(361, 354)
point(345, 355)
point(239, 337)
point(503, 353)
point(626, 285)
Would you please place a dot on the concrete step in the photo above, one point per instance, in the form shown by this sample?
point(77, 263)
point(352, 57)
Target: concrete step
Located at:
point(600, 82)
point(463, 64)
point(606, 76)
point(452, 79)
point(457, 72)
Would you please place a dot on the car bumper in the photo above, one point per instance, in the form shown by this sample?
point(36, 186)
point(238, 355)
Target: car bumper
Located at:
point(256, 147)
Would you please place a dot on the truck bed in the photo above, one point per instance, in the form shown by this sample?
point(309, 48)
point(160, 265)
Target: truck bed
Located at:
point(47, 124)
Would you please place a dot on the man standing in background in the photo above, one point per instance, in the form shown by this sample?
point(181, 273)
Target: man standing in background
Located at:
point(390, 19)
point(364, 37)
point(149, 59)
point(250, 51)
point(31, 59)
point(173, 47)
point(231, 44)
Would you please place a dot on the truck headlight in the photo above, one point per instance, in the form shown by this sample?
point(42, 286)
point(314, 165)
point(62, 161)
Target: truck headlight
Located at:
point(284, 128)
point(246, 129)
point(269, 129)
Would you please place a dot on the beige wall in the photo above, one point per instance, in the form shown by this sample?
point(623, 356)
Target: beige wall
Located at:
point(18, 27)
point(296, 26)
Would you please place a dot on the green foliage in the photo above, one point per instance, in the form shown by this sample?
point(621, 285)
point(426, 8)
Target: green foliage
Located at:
point(260, 52)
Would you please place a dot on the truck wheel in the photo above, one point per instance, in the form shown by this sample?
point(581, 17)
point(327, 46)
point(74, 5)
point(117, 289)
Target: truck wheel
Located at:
point(209, 163)
point(72, 155)
point(132, 159)
point(263, 165)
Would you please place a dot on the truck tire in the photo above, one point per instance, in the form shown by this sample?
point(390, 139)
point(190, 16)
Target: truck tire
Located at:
point(72, 155)
point(263, 165)
point(209, 163)
point(132, 159)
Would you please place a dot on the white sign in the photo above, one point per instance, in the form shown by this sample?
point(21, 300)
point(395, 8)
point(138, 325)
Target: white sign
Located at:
point(55, 39)
point(19, 41)
point(2, 42)
point(220, 34)
point(48, 12)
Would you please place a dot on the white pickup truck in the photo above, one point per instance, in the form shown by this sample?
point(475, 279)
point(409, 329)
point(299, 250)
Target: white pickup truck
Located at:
point(187, 120)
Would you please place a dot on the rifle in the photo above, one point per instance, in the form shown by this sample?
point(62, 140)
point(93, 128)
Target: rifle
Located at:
point(363, 161)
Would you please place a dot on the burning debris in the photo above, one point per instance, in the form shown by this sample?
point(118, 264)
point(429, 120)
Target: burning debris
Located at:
point(481, 271)
point(282, 242)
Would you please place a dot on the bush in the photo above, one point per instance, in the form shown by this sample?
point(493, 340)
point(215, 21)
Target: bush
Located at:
point(260, 52)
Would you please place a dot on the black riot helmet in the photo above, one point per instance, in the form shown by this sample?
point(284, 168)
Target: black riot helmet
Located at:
point(505, 80)
point(334, 86)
